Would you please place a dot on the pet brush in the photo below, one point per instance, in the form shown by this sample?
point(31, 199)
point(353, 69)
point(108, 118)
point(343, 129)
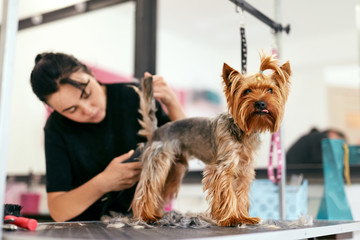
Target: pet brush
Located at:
point(12, 216)
point(135, 157)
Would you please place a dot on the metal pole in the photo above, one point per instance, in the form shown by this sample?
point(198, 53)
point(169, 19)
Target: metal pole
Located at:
point(145, 37)
point(7, 53)
point(69, 11)
point(259, 15)
point(282, 184)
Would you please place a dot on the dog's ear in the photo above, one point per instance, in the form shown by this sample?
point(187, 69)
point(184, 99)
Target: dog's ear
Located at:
point(282, 76)
point(227, 71)
point(286, 69)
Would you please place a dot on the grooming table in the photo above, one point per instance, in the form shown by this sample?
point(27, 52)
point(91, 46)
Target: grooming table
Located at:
point(99, 230)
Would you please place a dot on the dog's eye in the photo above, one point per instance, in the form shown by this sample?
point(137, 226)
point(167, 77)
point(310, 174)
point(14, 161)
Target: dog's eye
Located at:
point(247, 91)
point(270, 90)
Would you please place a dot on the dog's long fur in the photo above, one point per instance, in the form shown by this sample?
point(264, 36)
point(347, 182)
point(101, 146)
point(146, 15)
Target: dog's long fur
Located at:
point(226, 144)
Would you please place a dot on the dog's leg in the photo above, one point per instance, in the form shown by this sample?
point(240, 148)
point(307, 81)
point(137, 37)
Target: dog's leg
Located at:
point(148, 202)
point(174, 178)
point(228, 197)
point(242, 182)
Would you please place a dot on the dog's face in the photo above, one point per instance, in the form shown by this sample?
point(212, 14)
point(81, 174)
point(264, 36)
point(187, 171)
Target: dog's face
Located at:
point(257, 101)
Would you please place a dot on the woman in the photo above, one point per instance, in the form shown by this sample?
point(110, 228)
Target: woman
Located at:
point(91, 132)
point(307, 149)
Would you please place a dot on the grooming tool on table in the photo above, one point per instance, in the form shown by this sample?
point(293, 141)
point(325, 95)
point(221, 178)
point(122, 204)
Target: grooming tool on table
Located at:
point(12, 216)
point(9, 227)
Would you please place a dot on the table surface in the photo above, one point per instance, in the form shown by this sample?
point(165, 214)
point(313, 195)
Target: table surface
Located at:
point(100, 230)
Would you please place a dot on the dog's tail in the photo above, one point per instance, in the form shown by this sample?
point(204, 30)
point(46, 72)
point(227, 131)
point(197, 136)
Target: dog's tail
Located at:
point(147, 108)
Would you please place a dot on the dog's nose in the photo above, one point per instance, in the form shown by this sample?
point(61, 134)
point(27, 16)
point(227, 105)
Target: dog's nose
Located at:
point(261, 105)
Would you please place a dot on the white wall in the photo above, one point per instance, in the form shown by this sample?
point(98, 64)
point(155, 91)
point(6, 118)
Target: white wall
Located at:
point(194, 39)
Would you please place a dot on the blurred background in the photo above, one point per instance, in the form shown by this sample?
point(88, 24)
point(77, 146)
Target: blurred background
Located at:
point(194, 39)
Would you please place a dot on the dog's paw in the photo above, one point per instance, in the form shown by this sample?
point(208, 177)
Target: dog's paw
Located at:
point(250, 220)
point(232, 222)
point(150, 219)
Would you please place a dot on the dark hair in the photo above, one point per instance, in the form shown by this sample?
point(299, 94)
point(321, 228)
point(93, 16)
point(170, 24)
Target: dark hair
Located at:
point(336, 131)
point(53, 69)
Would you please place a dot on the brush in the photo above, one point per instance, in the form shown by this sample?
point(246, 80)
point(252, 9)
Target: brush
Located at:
point(12, 216)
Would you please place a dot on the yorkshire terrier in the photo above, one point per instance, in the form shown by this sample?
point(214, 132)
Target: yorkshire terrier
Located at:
point(226, 144)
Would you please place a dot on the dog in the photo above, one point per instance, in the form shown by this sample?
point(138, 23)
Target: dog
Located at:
point(226, 144)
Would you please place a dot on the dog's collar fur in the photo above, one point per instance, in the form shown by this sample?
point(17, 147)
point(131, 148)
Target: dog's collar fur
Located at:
point(236, 132)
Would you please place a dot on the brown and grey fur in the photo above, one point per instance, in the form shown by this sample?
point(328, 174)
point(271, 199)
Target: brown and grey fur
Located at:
point(226, 144)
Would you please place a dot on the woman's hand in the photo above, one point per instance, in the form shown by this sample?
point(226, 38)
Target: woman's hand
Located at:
point(164, 94)
point(118, 175)
point(162, 91)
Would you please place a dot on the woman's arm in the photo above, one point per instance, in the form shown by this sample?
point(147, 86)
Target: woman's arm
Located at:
point(64, 206)
point(167, 96)
point(117, 176)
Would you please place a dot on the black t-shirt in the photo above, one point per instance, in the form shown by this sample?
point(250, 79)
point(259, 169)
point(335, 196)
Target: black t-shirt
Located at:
point(307, 150)
point(76, 152)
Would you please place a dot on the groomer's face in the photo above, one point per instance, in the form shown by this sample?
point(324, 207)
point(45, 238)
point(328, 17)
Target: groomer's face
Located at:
point(86, 105)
